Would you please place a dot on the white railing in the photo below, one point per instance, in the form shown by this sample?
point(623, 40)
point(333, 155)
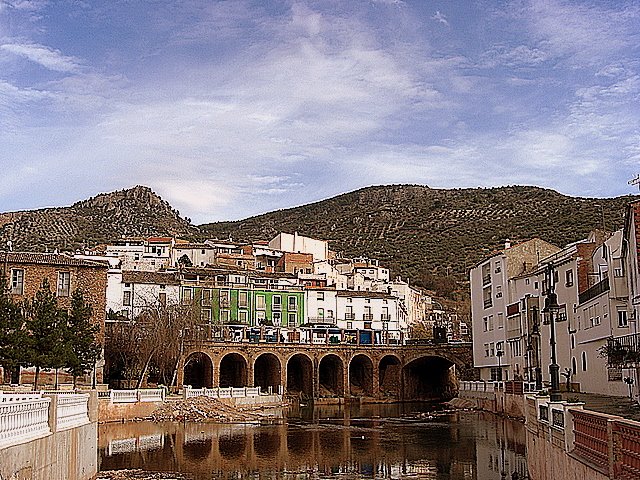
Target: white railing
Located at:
point(72, 411)
point(23, 418)
point(151, 395)
point(124, 396)
point(228, 392)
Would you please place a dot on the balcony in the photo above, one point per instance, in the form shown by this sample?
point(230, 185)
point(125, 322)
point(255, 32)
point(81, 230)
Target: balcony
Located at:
point(367, 317)
point(624, 350)
point(385, 318)
point(592, 292)
point(486, 279)
point(349, 316)
point(487, 303)
point(321, 321)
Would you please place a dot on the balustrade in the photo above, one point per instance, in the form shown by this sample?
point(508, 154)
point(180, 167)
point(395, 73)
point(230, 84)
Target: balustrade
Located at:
point(23, 418)
point(591, 437)
point(72, 411)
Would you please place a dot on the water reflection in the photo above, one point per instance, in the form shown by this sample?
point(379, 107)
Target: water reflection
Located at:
point(372, 441)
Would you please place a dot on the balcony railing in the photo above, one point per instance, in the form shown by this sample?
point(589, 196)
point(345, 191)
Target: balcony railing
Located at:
point(487, 303)
point(322, 320)
point(592, 292)
point(624, 350)
point(486, 279)
point(349, 316)
point(367, 317)
point(385, 318)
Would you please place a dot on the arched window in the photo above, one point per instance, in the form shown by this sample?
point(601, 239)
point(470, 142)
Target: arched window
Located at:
point(584, 361)
point(574, 366)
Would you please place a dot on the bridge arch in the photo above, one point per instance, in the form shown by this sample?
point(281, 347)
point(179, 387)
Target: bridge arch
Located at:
point(198, 370)
point(390, 376)
point(429, 377)
point(300, 375)
point(267, 371)
point(361, 375)
point(331, 375)
point(233, 370)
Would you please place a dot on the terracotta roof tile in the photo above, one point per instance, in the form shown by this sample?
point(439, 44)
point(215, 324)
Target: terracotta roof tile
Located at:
point(58, 259)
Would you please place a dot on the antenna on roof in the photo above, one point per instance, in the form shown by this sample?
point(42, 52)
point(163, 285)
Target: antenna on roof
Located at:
point(635, 181)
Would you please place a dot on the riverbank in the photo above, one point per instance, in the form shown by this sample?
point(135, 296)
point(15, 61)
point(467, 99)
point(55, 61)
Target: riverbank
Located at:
point(201, 409)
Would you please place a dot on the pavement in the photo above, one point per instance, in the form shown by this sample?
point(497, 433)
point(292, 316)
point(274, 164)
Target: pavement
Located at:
point(621, 406)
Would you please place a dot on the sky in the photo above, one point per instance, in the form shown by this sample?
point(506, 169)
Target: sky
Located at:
point(229, 109)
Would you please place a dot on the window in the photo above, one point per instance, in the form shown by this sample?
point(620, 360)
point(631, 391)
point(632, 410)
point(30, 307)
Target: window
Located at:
point(17, 281)
point(242, 299)
point(497, 267)
point(126, 299)
point(205, 315)
point(321, 313)
point(367, 325)
point(276, 302)
point(162, 298)
point(584, 361)
point(568, 278)
point(485, 324)
point(367, 313)
point(243, 316)
point(486, 349)
point(292, 319)
point(349, 313)
point(574, 367)
point(492, 350)
point(490, 322)
point(261, 303)
point(64, 282)
point(385, 314)
point(486, 296)
point(206, 297)
point(498, 291)
point(623, 321)
point(224, 316)
point(349, 325)
point(187, 295)
point(321, 296)
point(292, 302)
point(618, 272)
point(500, 347)
point(277, 318)
point(224, 298)
point(500, 320)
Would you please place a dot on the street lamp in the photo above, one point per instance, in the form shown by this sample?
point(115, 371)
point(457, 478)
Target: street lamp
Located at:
point(552, 308)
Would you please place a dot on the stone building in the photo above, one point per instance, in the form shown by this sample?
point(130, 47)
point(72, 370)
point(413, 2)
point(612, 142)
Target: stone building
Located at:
point(25, 273)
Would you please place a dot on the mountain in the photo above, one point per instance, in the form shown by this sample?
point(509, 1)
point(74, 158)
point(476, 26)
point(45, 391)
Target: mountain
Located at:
point(137, 211)
point(418, 231)
point(415, 230)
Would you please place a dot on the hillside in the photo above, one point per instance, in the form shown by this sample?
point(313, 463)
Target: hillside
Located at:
point(417, 229)
point(136, 211)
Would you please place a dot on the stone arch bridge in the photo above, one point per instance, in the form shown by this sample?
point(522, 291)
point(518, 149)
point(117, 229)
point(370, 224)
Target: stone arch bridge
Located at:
point(377, 372)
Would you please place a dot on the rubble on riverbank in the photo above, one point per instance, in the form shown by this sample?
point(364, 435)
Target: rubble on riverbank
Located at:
point(201, 409)
point(140, 475)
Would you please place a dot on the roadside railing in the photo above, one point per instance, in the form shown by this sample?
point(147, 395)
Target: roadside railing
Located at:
point(28, 416)
point(23, 418)
point(510, 387)
point(606, 443)
point(72, 410)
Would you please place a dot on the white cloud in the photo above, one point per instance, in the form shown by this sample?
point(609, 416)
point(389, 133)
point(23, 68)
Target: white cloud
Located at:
point(49, 58)
point(440, 18)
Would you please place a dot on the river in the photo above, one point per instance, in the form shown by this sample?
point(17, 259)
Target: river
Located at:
point(358, 441)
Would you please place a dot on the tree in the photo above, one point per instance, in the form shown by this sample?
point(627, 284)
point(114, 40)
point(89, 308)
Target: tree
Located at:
point(46, 326)
point(82, 348)
point(12, 335)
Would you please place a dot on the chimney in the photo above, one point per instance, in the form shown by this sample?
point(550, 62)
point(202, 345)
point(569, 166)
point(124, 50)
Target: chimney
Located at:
point(507, 244)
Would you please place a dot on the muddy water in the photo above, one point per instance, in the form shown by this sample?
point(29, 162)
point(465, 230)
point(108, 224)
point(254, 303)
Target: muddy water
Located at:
point(373, 441)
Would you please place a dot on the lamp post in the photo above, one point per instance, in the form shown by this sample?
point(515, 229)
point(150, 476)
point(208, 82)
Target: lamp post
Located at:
point(499, 354)
point(551, 308)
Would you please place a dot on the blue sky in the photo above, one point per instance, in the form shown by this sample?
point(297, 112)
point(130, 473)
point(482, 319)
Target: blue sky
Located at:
point(233, 108)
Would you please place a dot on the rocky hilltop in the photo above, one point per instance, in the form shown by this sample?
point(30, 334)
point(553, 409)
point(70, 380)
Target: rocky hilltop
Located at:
point(137, 211)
